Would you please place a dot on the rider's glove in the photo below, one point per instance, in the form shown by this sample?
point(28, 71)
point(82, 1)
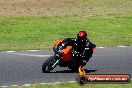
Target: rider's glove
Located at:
point(59, 52)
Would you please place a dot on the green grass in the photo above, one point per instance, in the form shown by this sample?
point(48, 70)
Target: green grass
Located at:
point(40, 32)
point(75, 85)
point(108, 22)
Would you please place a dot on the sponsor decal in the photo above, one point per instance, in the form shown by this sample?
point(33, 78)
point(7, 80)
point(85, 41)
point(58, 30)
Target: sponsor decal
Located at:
point(83, 78)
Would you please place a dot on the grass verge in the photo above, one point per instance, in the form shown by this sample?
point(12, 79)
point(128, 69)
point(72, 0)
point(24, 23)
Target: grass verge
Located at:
point(40, 32)
point(75, 85)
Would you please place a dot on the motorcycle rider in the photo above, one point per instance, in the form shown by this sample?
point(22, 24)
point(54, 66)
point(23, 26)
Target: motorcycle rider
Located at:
point(85, 47)
point(81, 47)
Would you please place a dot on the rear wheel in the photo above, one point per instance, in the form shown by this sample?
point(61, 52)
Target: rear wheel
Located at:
point(48, 64)
point(74, 68)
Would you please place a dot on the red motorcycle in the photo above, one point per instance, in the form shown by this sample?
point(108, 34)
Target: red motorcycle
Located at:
point(63, 58)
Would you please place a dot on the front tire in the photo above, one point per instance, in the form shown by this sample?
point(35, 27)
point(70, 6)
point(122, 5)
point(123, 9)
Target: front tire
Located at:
point(47, 65)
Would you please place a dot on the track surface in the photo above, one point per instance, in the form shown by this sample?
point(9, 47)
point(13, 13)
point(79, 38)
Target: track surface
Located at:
point(24, 67)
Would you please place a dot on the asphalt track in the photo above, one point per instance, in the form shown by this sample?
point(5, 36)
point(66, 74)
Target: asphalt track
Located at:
point(24, 67)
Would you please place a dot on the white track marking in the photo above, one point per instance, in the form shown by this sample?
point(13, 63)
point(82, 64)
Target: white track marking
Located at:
point(100, 47)
point(22, 54)
point(34, 55)
point(121, 46)
point(5, 86)
point(72, 81)
point(27, 84)
point(14, 85)
point(42, 83)
point(38, 83)
point(10, 51)
point(32, 50)
point(57, 82)
point(39, 50)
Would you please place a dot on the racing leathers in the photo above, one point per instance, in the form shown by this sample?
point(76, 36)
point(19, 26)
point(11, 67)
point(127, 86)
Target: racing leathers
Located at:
point(81, 51)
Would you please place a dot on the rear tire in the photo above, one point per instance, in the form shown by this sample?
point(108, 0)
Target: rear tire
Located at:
point(47, 65)
point(74, 68)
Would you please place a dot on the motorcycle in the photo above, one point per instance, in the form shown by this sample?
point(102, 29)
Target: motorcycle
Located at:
point(63, 59)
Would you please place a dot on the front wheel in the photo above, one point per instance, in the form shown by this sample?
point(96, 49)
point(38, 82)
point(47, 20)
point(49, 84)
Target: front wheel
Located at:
point(49, 64)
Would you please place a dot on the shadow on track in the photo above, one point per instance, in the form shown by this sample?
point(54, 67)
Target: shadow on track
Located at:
point(89, 71)
point(69, 71)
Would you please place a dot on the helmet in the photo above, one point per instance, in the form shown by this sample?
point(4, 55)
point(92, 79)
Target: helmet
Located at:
point(81, 36)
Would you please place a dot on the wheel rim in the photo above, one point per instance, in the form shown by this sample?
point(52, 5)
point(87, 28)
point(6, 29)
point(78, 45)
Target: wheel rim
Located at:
point(49, 66)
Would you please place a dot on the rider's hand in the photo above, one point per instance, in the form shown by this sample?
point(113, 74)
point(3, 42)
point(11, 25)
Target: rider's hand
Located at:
point(59, 52)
